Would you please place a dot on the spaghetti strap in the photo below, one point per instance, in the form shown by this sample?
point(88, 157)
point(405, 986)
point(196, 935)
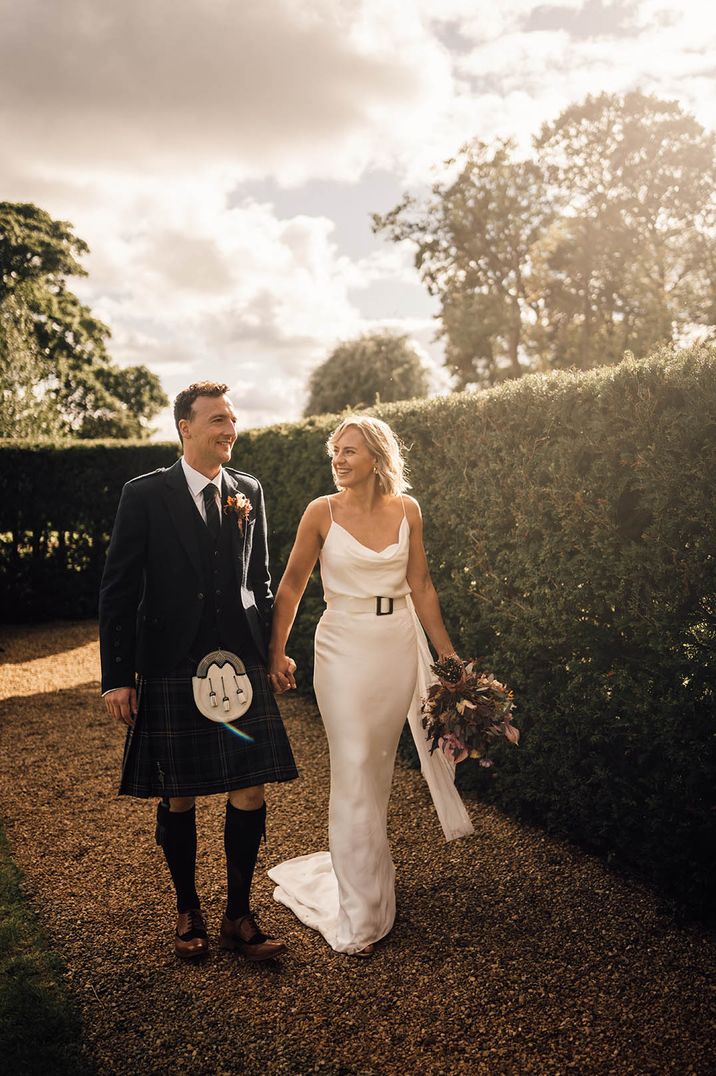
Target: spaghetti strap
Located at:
point(403, 504)
point(328, 502)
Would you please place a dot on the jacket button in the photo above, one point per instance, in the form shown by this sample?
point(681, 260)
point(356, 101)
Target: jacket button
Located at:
point(117, 627)
point(200, 596)
point(118, 659)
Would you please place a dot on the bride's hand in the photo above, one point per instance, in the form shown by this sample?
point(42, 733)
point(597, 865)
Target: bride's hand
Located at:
point(449, 654)
point(281, 674)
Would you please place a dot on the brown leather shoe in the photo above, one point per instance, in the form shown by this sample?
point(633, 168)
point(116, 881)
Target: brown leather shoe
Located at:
point(243, 934)
point(191, 941)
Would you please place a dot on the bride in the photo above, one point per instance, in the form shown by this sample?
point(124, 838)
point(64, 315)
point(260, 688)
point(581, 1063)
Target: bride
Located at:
point(371, 668)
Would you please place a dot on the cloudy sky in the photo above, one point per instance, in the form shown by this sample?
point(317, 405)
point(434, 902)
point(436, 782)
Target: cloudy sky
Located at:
point(222, 158)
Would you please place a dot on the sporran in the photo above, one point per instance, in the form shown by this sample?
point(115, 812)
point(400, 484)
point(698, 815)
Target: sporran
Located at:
point(222, 689)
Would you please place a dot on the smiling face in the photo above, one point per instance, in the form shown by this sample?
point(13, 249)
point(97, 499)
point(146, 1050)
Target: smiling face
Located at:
point(209, 433)
point(352, 462)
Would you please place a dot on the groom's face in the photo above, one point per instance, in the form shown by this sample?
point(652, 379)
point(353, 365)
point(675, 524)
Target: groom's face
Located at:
point(210, 432)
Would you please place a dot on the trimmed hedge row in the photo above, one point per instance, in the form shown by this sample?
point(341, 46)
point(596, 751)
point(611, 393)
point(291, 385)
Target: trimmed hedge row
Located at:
point(570, 521)
point(57, 508)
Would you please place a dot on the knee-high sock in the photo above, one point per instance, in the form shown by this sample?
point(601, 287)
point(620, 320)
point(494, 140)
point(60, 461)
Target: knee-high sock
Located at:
point(242, 836)
point(176, 833)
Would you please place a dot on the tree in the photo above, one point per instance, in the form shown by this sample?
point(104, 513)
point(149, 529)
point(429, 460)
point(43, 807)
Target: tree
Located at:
point(25, 409)
point(602, 242)
point(705, 293)
point(378, 365)
point(632, 176)
point(34, 247)
point(474, 240)
point(56, 376)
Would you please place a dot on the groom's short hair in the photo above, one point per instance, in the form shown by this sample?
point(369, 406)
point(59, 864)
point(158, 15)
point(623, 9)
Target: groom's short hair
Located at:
point(185, 400)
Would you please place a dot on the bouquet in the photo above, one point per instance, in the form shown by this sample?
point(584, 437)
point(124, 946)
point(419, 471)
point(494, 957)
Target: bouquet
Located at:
point(465, 710)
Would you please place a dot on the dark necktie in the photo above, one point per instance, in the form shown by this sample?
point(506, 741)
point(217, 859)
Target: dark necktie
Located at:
point(213, 519)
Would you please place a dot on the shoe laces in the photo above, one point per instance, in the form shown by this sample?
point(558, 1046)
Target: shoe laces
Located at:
point(195, 923)
point(257, 936)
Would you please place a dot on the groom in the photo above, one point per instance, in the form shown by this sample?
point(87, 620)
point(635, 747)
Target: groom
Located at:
point(187, 573)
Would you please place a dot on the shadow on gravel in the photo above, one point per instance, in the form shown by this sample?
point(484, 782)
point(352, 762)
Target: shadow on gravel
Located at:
point(511, 953)
point(27, 642)
point(40, 1031)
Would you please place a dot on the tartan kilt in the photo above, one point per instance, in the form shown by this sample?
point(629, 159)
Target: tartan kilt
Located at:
point(172, 750)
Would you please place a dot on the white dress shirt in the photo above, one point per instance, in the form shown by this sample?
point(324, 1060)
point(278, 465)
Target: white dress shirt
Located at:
point(196, 482)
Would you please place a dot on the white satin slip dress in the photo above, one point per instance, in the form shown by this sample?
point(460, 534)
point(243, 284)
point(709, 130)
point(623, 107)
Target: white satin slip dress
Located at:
point(369, 673)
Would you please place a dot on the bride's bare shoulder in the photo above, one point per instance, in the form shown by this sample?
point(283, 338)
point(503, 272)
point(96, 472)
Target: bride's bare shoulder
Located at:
point(412, 508)
point(317, 513)
point(316, 507)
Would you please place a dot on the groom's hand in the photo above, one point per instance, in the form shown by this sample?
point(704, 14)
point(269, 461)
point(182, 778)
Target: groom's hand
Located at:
point(122, 704)
point(281, 674)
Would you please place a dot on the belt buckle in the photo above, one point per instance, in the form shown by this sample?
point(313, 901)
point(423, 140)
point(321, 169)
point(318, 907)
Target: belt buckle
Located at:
point(379, 611)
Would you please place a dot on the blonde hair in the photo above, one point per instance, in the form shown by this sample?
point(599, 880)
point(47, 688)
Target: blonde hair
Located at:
point(391, 469)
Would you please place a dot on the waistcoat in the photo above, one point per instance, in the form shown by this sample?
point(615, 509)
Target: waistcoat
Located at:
point(223, 624)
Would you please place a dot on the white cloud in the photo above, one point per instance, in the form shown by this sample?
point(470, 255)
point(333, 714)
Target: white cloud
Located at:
point(205, 293)
point(137, 121)
point(263, 88)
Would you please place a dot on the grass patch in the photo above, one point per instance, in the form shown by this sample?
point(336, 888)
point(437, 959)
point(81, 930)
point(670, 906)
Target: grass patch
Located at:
point(40, 1031)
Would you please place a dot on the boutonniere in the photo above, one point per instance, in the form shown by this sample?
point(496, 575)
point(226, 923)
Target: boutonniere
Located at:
point(240, 508)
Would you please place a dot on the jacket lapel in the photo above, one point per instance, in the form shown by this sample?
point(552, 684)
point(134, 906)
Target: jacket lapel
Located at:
point(183, 513)
point(238, 537)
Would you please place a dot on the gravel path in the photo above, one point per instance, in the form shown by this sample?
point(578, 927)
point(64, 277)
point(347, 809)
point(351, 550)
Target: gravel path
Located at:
point(512, 953)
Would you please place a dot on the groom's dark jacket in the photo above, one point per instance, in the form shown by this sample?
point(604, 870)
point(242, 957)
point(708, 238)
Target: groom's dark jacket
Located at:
point(153, 591)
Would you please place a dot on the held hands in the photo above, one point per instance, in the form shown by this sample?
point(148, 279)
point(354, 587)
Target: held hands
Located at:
point(122, 704)
point(280, 673)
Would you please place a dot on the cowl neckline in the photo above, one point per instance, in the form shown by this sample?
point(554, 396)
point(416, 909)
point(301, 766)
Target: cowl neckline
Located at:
point(367, 548)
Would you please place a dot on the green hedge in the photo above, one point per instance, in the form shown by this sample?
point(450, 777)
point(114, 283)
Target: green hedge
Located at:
point(57, 507)
point(570, 522)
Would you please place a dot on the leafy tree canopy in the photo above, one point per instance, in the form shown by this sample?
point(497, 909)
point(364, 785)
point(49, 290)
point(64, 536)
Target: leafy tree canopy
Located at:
point(602, 241)
point(56, 376)
point(375, 366)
